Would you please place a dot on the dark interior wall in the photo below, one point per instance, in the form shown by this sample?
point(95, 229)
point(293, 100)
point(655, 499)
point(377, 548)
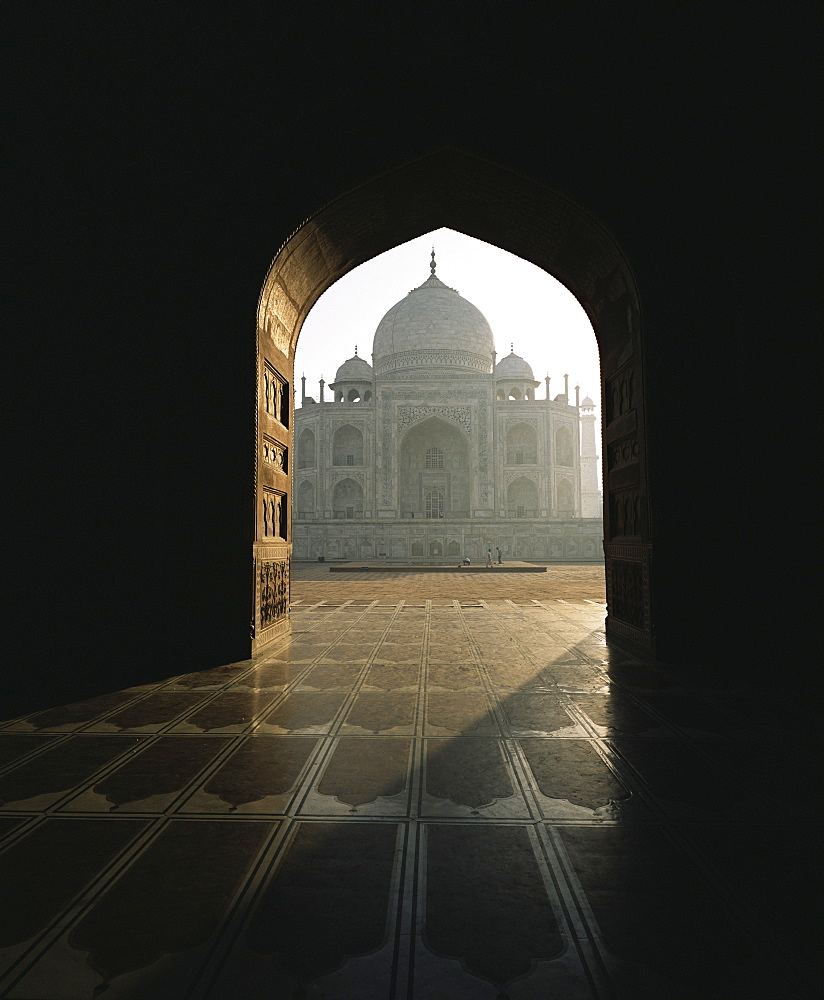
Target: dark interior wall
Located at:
point(164, 154)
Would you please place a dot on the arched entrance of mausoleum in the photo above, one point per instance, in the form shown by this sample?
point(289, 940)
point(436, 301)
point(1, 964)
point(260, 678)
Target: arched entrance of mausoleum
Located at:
point(434, 473)
point(455, 190)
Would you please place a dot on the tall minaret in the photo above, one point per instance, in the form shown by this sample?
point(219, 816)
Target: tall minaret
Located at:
point(590, 493)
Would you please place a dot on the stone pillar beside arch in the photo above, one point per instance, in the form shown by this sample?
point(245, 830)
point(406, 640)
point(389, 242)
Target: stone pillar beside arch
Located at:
point(272, 547)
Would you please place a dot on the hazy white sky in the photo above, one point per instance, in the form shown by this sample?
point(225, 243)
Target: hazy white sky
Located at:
point(522, 303)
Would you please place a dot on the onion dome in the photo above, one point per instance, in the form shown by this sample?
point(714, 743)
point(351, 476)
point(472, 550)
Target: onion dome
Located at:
point(588, 402)
point(355, 369)
point(433, 328)
point(514, 368)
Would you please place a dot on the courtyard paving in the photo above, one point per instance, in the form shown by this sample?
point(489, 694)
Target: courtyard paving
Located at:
point(437, 786)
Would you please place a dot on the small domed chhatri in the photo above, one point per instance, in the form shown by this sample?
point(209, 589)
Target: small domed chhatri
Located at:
point(353, 380)
point(514, 366)
point(437, 454)
point(354, 369)
point(514, 378)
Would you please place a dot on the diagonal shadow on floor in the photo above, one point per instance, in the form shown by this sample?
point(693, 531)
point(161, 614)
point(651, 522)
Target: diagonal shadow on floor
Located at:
point(466, 798)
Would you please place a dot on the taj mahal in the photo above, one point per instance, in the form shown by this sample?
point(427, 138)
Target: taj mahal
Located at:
point(437, 452)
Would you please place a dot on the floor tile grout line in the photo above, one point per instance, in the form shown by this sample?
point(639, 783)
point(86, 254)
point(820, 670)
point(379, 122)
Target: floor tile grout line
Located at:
point(523, 648)
point(403, 950)
point(577, 932)
point(506, 735)
point(155, 688)
point(524, 779)
point(210, 770)
point(331, 738)
point(349, 701)
point(237, 919)
point(68, 794)
point(170, 807)
point(80, 904)
point(83, 728)
point(29, 822)
point(671, 828)
point(53, 741)
point(580, 914)
point(148, 740)
point(298, 679)
point(682, 738)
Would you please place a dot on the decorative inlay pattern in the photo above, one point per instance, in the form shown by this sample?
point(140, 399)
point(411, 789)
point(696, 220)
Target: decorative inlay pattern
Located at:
point(625, 513)
point(435, 360)
point(512, 421)
point(620, 394)
point(625, 590)
point(339, 477)
point(483, 464)
point(408, 415)
point(534, 477)
point(627, 551)
point(623, 452)
point(335, 424)
point(273, 594)
point(386, 458)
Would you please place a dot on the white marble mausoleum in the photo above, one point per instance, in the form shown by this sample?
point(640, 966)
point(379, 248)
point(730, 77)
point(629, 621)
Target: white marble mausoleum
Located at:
point(437, 452)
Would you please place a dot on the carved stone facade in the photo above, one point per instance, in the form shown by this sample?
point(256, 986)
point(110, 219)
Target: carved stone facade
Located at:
point(438, 452)
point(628, 549)
point(272, 549)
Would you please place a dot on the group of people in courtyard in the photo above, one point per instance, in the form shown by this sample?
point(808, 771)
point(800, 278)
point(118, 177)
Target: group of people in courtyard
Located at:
point(489, 559)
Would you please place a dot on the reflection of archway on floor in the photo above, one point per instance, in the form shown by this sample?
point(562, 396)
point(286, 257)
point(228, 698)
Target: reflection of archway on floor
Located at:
point(451, 189)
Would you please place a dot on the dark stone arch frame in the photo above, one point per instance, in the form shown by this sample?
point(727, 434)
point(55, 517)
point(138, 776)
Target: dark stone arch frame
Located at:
point(451, 189)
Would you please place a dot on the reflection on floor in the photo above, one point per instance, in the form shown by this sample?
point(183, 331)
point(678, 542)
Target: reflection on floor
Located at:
point(409, 798)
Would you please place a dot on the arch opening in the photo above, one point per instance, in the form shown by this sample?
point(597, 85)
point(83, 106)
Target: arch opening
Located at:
point(347, 446)
point(540, 226)
point(434, 475)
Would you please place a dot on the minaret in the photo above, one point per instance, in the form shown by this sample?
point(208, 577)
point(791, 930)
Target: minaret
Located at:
point(322, 384)
point(302, 390)
point(590, 493)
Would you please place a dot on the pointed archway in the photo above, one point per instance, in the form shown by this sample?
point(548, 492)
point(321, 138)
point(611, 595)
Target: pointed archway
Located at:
point(452, 189)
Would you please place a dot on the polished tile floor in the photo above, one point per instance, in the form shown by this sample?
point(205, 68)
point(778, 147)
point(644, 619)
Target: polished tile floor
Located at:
point(413, 796)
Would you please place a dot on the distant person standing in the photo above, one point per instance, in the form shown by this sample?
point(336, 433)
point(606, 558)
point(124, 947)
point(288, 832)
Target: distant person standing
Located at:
point(498, 550)
point(489, 558)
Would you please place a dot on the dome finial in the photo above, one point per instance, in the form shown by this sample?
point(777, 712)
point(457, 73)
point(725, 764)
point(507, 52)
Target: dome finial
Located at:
point(432, 264)
point(512, 346)
point(356, 350)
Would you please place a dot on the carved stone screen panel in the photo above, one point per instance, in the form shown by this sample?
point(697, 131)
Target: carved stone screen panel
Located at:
point(273, 592)
point(274, 514)
point(276, 393)
point(626, 591)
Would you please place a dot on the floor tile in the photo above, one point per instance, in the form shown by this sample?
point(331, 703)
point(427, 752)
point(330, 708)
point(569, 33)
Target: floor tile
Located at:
point(435, 786)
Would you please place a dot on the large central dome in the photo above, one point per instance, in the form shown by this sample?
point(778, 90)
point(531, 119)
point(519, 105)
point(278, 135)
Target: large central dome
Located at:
point(433, 328)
